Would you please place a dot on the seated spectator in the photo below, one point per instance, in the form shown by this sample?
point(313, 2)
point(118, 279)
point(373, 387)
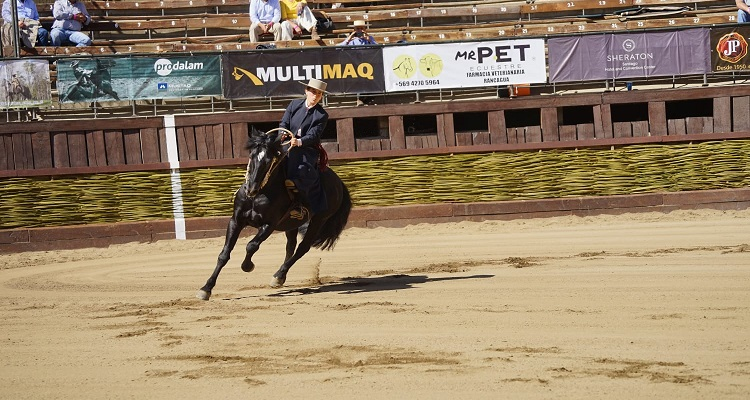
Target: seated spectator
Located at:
point(743, 12)
point(265, 17)
point(295, 14)
point(359, 35)
point(70, 18)
point(30, 30)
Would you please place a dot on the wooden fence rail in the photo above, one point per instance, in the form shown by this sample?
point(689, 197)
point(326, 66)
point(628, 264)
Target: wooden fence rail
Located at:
point(583, 120)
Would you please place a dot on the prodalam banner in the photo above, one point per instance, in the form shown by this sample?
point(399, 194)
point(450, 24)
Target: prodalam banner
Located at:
point(629, 55)
point(456, 65)
point(25, 83)
point(137, 78)
point(729, 49)
point(280, 73)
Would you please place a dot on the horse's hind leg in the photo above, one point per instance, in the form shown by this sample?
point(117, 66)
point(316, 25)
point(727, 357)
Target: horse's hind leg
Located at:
point(291, 243)
point(233, 232)
point(279, 278)
point(263, 233)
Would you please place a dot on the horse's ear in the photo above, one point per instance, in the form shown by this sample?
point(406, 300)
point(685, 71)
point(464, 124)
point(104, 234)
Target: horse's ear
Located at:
point(252, 132)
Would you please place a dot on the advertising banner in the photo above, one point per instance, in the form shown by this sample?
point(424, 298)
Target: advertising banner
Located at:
point(729, 49)
point(629, 55)
point(267, 74)
point(25, 83)
point(138, 78)
point(455, 65)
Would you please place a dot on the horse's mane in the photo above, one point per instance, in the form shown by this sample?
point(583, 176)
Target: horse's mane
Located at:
point(258, 139)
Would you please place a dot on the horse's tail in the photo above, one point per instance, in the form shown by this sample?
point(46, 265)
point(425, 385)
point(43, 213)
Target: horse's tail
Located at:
point(334, 225)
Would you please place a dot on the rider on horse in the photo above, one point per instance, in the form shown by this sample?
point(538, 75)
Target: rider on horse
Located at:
point(306, 119)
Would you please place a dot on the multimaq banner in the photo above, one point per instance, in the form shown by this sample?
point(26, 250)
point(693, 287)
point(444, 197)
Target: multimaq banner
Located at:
point(280, 73)
point(455, 65)
point(628, 55)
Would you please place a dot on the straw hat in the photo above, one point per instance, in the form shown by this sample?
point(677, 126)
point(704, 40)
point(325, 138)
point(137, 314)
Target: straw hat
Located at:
point(359, 24)
point(316, 84)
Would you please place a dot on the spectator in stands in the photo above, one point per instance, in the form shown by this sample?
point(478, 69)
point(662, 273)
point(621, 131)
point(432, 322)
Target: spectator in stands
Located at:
point(359, 35)
point(306, 119)
point(265, 17)
point(70, 17)
point(30, 30)
point(743, 12)
point(296, 13)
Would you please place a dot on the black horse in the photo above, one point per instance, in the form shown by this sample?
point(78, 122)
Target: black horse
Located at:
point(265, 203)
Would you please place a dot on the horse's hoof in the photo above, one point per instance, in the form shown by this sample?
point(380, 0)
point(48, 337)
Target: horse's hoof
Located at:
point(248, 266)
point(277, 282)
point(203, 295)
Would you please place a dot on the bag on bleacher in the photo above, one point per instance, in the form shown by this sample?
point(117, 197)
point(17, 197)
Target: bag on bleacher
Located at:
point(325, 23)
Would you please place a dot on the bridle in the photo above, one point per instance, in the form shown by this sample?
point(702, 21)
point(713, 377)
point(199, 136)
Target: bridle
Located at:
point(275, 162)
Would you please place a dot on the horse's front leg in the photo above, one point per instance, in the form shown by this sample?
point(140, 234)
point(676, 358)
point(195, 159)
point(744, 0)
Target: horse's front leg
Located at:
point(263, 233)
point(279, 278)
point(233, 232)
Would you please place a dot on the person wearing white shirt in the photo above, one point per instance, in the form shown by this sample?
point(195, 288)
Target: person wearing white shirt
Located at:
point(70, 17)
point(265, 17)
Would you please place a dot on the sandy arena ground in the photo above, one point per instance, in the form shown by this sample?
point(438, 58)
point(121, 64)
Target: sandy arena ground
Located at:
point(618, 307)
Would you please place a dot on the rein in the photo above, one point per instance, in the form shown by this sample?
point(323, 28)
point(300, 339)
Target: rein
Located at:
point(275, 162)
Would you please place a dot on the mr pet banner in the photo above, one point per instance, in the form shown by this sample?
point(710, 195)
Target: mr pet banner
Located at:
point(279, 73)
point(729, 48)
point(628, 55)
point(455, 65)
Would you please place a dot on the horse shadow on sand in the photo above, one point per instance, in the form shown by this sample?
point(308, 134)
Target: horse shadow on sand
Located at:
point(373, 284)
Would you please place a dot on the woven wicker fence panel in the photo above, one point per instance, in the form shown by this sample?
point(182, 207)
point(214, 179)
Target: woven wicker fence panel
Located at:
point(406, 180)
point(35, 202)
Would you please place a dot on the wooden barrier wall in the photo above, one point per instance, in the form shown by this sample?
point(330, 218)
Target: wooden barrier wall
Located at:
point(50, 148)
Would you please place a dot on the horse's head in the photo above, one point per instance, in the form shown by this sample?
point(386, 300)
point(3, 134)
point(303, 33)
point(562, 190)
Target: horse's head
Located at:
point(265, 155)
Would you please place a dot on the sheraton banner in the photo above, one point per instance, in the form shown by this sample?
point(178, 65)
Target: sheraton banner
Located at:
point(25, 83)
point(729, 49)
point(277, 73)
point(629, 55)
point(455, 65)
point(138, 78)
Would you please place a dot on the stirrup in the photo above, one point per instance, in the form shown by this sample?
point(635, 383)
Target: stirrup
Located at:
point(290, 186)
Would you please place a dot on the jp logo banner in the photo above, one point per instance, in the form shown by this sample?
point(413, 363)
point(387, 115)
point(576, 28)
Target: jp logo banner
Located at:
point(729, 49)
point(279, 73)
point(454, 65)
point(25, 83)
point(628, 55)
point(138, 78)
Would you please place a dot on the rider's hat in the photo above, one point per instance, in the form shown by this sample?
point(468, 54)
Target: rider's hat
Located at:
point(316, 84)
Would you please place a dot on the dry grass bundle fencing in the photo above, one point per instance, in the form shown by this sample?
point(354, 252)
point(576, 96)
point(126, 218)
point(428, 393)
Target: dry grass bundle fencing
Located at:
point(138, 196)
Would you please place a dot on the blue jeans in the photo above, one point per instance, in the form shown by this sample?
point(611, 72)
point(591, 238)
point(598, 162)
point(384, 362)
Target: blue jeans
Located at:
point(58, 37)
point(742, 16)
point(42, 37)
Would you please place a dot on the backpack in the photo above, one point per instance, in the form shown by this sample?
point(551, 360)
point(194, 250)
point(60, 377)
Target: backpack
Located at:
point(325, 23)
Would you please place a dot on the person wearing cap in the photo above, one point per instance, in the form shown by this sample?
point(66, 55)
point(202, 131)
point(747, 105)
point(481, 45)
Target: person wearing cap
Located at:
point(70, 18)
point(265, 17)
point(296, 13)
point(359, 35)
point(306, 119)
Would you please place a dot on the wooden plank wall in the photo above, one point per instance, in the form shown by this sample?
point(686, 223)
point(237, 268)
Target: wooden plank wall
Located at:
point(100, 146)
